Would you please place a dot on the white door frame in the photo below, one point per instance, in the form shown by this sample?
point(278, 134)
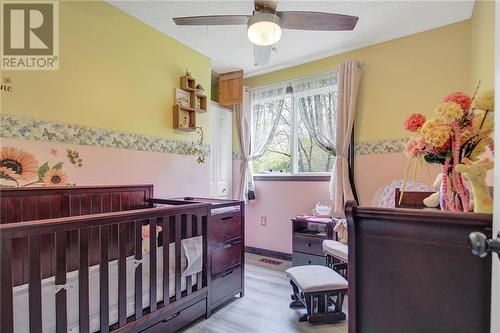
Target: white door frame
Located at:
point(495, 278)
point(215, 172)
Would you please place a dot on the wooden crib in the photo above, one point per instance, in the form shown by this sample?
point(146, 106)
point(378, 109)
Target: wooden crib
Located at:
point(50, 234)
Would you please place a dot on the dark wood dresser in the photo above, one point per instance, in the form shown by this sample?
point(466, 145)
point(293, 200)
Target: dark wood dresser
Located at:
point(307, 241)
point(226, 246)
point(412, 271)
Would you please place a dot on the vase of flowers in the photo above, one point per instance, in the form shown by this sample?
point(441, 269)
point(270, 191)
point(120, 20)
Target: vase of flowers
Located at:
point(462, 129)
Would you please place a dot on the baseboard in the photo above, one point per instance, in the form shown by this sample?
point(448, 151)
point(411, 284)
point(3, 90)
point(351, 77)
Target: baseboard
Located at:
point(269, 253)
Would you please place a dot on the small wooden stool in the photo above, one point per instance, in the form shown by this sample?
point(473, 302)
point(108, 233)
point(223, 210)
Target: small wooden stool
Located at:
point(320, 290)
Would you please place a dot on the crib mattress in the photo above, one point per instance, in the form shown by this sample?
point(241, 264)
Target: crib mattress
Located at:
point(21, 303)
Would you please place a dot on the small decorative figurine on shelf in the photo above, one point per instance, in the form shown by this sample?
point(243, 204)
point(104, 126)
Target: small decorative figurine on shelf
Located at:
point(200, 89)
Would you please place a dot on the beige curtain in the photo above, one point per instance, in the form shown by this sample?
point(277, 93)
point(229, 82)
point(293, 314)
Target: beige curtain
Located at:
point(256, 121)
point(348, 78)
point(243, 125)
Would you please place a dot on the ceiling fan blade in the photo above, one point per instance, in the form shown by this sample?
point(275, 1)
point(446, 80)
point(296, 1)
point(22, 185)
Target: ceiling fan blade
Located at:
point(268, 6)
point(317, 21)
point(262, 54)
point(212, 20)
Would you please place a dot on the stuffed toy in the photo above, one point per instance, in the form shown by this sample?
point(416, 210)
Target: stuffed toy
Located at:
point(432, 201)
point(475, 173)
point(341, 230)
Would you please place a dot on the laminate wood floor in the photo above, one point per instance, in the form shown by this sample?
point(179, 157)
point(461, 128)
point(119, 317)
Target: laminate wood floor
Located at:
point(264, 308)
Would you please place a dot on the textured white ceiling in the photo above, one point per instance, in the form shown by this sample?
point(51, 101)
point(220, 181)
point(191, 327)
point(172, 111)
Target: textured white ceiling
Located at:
point(229, 47)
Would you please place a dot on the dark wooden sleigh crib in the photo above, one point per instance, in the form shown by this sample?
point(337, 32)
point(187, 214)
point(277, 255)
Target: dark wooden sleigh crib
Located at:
point(50, 232)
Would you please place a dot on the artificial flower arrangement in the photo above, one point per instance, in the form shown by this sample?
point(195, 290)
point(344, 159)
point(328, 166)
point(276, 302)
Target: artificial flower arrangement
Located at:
point(22, 169)
point(456, 138)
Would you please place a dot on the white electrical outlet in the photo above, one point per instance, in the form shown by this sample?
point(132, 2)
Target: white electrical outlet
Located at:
point(263, 221)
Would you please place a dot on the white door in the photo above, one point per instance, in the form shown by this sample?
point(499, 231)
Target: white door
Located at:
point(222, 161)
point(495, 282)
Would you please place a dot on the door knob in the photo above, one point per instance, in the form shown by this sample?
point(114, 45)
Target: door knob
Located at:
point(480, 245)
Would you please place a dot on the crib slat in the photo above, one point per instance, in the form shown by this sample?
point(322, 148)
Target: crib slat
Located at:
point(189, 234)
point(104, 280)
point(122, 274)
point(60, 279)
point(138, 270)
point(35, 285)
point(178, 230)
point(199, 232)
point(83, 281)
point(152, 264)
point(6, 308)
point(166, 259)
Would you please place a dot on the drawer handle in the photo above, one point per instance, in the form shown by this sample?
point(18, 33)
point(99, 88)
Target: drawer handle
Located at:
point(230, 245)
point(226, 218)
point(308, 244)
point(225, 274)
point(172, 317)
point(309, 262)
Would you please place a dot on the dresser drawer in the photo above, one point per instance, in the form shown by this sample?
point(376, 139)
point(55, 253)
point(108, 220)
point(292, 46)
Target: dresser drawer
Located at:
point(223, 227)
point(180, 319)
point(226, 283)
point(302, 259)
point(305, 244)
point(227, 254)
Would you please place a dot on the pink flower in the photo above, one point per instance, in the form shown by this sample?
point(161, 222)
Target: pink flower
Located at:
point(414, 122)
point(460, 98)
point(415, 146)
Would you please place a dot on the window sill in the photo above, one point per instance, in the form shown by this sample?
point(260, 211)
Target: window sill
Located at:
point(292, 178)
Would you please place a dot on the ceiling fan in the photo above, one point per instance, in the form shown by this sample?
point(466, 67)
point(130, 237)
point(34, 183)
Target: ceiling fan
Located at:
point(265, 25)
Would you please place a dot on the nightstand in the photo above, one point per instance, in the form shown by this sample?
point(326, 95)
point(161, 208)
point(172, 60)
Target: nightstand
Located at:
point(307, 239)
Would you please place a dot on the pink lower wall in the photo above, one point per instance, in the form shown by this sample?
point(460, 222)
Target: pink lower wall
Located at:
point(281, 200)
point(171, 174)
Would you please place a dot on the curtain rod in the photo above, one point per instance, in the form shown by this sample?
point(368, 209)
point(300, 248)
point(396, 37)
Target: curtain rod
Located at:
point(360, 63)
point(290, 80)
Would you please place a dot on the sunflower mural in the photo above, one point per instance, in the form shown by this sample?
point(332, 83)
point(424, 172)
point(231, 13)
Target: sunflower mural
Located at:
point(18, 164)
point(20, 168)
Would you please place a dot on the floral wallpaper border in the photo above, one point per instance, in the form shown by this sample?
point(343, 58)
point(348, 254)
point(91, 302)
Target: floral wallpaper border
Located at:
point(14, 127)
point(382, 146)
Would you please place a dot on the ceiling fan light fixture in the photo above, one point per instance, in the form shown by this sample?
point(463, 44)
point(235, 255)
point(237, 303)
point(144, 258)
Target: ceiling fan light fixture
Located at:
point(264, 29)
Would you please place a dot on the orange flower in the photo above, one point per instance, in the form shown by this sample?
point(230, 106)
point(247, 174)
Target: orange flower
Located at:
point(414, 122)
point(22, 163)
point(55, 177)
point(460, 98)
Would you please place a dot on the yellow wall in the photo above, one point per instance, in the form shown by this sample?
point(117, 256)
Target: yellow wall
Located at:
point(402, 76)
point(115, 72)
point(483, 44)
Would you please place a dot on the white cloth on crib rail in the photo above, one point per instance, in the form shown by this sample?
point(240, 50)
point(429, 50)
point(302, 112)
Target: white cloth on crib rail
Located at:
point(21, 315)
point(192, 249)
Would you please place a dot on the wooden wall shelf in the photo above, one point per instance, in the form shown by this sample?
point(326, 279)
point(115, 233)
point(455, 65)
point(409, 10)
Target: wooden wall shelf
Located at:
point(184, 119)
point(188, 83)
point(197, 103)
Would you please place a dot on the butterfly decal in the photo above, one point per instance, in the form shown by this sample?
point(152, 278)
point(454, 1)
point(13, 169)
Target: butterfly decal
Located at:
point(7, 80)
point(24, 130)
point(116, 142)
point(48, 134)
point(53, 151)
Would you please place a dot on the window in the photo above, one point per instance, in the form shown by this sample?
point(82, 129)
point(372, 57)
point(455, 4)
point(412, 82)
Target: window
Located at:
point(294, 127)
